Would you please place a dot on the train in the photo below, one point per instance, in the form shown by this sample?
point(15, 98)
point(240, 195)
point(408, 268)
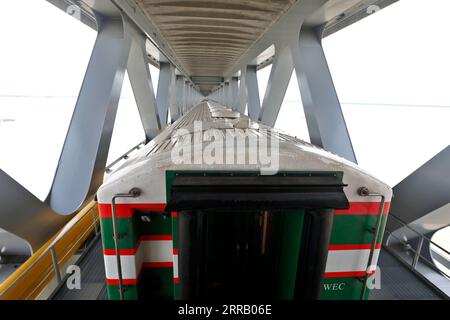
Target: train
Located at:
point(221, 206)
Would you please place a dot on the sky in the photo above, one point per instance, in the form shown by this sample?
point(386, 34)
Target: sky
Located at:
point(392, 74)
point(397, 57)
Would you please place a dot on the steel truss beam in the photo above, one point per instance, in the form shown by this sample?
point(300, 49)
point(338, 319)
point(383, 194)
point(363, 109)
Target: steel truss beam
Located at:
point(165, 91)
point(297, 39)
point(279, 79)
point(254, 104)
point(243, 93)
point(141, 82)
point(227, 94)
point(234, 86)
point(83, 159)
point(180, 95)
point(174, 113)
point(326, 123)
point(419, 196)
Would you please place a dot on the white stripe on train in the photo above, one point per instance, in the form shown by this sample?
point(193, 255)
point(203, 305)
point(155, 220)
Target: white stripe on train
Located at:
point(154, 251)
point(161, 252)
point(349, 260)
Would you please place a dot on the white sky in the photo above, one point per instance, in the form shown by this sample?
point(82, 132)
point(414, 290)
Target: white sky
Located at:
point(397, 56)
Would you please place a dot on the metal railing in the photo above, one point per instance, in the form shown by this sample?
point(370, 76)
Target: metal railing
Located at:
point(53, 268)
point(365, 192)
point(57, 262)
point(125, 156)
point(417, 251)
point(68, 236)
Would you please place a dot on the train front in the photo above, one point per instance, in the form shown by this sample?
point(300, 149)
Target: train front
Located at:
point(219, 206)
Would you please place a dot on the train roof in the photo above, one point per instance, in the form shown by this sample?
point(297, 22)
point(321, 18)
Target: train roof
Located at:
point(295, 154)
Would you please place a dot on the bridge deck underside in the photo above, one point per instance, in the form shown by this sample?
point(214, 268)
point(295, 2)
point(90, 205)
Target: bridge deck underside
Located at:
point(209, 35)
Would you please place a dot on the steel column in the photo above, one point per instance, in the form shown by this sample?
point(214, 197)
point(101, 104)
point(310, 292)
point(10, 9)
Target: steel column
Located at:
point(189, 96)
point(21, 213)
point(234, 93)
point(279, 79)
point(141, 82)
point(227, 93)
point(186, 97)
point(174, 114)
point(180, 94)
point(419, 196)
point(163, 98)
point(243, 92)
point(326, 123)
point(220, 95)
point(254, 104)
point(83, 159)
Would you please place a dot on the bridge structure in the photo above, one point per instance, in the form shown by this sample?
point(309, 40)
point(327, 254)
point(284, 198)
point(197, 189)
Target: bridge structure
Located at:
point(212, 50)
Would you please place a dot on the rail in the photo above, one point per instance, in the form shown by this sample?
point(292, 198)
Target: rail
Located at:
point(34, 276)
point(417, 251)
point(125, 156)
point(365, 192)
point(36, 273)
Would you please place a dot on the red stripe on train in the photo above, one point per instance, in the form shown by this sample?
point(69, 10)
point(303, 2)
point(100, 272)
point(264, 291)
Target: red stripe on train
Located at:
point(127, 210)
point(158, 264)
point(337, 247)
point(126, 282)
point(364, 208)
point(348, 274)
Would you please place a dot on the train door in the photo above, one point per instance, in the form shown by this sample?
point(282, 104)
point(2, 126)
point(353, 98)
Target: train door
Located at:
point(252, 236)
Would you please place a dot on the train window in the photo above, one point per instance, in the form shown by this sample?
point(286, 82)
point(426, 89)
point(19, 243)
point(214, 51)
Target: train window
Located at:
point(44, 55)
point(128, 129)
point(392, 79)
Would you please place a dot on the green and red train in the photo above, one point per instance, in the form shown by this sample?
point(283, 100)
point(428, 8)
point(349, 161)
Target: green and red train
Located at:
point(176, 227)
